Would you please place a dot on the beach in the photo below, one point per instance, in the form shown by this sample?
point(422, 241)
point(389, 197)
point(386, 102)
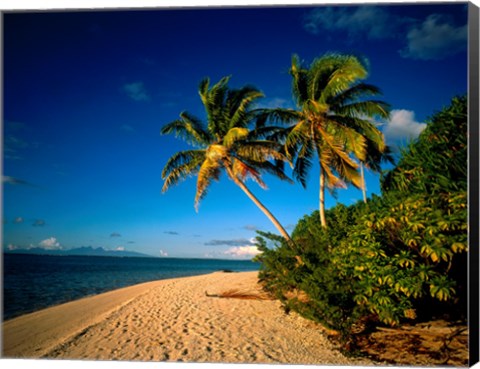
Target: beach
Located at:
point(181, 319)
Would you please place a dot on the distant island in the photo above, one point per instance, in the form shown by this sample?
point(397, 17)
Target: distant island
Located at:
point(82, 251)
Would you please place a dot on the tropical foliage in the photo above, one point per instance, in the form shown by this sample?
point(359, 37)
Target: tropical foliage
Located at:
point(401, 256)
point(225, 142)
point(332, 122)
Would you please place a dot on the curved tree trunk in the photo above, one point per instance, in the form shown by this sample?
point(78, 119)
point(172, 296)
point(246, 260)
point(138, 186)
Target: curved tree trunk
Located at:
point(364, 187)
point(321, 191)
point(257, 202)
point(321, 205)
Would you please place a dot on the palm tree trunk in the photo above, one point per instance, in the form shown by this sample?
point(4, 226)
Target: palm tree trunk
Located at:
point(321, 205)
point(321, 191)
point(364, 187)
point(257, 202)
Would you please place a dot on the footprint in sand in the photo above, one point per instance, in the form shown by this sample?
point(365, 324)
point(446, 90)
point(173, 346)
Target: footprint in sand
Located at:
point(178, 345)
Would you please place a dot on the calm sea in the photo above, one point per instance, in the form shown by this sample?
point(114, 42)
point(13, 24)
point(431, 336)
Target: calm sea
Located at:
point(34, 282)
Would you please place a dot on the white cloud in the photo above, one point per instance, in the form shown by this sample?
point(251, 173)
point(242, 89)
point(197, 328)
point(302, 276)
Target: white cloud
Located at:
point(120, 248)
point(50, 244)
point(433, 38)
point(402, 126)
point(249, 249)
point(18, 220)
point(436, 38)
point(136, 91)
point(163, 253)
point(14, 181)
point(12, 247)
point(371, 21)
point(242, 251)
point(234, 242)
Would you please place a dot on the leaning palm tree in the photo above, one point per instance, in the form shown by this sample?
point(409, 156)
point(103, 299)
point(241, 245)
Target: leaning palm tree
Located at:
point(224, 143)
point(331, 122)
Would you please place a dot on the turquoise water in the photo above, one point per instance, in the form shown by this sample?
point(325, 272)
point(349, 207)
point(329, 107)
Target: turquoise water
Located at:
point(34, 282)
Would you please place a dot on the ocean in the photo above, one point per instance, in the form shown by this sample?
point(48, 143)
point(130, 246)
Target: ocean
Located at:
point(34, 282)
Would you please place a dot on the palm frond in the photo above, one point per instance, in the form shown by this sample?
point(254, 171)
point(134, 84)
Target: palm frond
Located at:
point(353, 141)
point(213, 99)
point(203, 89)
point(333, 151)
point(348, 171)
point(333, 74)
point(181, 165)
point(276, 168)
point(299, 81)
point(334, 157)
point(241, 294)
point(189, 128)
point(375, 157)
point(319, 76)
point(303, 162)
point(369, 108)
point(260, 151)
point(279, 135)
point(364, 127)
point(277, 115)
point(209, 170)
point(297, 136)
point(235, 134)
point(332, 181)
point(270, 133)
point(239, 102)
point(243, 171)
point(358, 91)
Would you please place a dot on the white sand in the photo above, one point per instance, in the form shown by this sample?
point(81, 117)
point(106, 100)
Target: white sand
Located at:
point(173, 320)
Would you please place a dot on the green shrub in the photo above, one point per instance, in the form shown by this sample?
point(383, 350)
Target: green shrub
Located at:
point(399, 257)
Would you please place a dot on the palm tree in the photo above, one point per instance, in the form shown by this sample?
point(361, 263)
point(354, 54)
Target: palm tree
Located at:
point(224, 143)
point(373, 161)
point(331, 122)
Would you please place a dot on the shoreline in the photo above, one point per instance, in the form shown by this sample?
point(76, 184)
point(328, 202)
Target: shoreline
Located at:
point(53, 324)
point(179, 319)
point(27, 294)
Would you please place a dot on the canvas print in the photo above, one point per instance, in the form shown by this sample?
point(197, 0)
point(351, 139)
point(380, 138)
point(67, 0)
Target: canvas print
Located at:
point(250, 184)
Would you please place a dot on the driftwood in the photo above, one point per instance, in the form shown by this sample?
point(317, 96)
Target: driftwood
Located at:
point(237, 294)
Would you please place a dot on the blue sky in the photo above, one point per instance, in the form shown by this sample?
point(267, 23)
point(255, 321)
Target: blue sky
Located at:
point(86, 93)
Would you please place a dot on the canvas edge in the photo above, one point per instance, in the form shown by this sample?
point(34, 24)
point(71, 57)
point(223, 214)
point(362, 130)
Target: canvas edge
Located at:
point(473, 113)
